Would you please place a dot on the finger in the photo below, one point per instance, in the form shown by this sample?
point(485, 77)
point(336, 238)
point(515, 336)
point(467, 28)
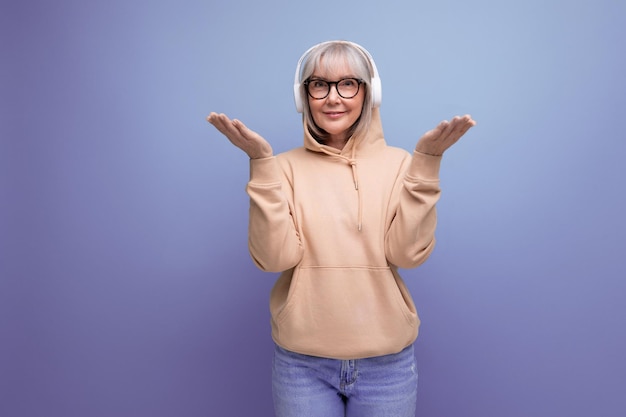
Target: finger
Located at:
point(215, 118)
point(466, 124)
point(466, 120)
point(241, 128)
point(223, 124)
point(244, 131)
point(220, 126)
point(460, 125)
point(446, 128)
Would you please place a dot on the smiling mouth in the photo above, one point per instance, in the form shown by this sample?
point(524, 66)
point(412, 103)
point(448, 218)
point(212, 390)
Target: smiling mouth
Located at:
point(334, 114)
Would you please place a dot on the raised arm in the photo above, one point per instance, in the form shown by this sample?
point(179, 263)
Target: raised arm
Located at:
point(273, 241)
point(411, 237)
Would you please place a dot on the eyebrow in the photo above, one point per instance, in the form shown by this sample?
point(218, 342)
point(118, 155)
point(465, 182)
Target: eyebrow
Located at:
point(314, 77)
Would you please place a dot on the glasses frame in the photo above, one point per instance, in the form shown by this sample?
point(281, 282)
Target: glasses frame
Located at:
point(330, 84)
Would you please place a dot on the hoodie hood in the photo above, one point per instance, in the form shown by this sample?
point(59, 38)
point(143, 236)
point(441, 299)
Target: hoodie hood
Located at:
point(357, 146)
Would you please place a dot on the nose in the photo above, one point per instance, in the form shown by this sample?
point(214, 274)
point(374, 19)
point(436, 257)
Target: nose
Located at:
point(333, 94)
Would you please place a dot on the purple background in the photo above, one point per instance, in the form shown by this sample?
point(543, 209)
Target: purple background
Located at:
point(126, 288)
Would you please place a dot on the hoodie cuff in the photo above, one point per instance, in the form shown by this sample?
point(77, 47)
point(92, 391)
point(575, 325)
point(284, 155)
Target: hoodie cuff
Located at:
point(425, 166)
point(264, 170)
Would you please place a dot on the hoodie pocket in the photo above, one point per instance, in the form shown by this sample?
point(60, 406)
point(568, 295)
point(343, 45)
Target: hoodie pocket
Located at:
point(357, 306)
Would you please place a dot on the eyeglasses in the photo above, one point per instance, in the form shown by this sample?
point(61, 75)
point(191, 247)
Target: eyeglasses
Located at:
point(346, 88)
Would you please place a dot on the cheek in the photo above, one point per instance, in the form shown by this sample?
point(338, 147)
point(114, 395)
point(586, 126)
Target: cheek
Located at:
point(361, 98)
point(357, 109)
point(314, 105)
point(315, 109)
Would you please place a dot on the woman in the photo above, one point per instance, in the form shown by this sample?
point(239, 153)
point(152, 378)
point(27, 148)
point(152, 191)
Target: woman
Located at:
point(337, 217)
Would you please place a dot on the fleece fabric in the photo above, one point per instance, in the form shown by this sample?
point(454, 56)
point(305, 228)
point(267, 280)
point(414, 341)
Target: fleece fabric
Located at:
point(337, 225)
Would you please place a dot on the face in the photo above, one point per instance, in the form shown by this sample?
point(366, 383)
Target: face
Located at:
point(335, 114)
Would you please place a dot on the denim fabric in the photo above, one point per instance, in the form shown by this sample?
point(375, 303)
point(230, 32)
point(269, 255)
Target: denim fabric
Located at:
point(309, 386)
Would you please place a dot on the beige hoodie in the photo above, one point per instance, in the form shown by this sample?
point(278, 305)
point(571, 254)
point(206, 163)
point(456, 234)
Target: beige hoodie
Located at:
point(337, 225)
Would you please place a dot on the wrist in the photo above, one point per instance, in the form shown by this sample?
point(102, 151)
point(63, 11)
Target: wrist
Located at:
point(427, 152)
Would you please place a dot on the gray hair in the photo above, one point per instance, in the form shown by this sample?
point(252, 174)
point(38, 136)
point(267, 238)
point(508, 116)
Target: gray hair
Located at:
point(337, 53)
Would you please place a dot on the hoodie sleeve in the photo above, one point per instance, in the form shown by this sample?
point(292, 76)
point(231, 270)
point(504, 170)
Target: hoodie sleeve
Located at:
point(273, 240)
point(411, 235)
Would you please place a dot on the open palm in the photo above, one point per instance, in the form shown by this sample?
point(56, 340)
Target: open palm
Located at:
point(245, 139)
point(446, 134)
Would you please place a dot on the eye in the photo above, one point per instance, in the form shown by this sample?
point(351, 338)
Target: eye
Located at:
point(350, 82)
point(318, 84)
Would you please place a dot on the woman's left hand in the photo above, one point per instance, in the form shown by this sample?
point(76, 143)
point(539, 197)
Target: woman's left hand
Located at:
point(446, 134)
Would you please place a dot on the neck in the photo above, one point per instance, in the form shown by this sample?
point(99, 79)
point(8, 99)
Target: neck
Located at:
point(336, 141)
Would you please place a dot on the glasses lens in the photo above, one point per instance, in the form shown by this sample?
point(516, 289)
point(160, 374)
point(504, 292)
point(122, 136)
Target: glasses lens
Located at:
point(318, 88)
point(348, 88)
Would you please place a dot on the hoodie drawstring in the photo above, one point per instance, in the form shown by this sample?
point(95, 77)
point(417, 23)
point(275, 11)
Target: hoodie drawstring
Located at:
point(355, 179)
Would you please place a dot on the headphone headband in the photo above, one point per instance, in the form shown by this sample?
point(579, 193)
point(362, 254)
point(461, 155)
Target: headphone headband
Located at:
point(375, 85)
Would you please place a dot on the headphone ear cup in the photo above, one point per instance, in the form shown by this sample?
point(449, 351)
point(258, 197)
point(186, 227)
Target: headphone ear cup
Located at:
point(377, 92)
point(297, 98)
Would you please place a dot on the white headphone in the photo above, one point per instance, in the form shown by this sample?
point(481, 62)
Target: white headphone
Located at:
point(375, 85)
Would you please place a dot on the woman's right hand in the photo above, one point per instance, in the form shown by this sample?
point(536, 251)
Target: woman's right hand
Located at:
point(245, 139)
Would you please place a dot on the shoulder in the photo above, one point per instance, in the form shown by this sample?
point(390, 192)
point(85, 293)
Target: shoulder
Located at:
point(391, 153)
point(400, 152)
point(293, 160)
point(292, 153)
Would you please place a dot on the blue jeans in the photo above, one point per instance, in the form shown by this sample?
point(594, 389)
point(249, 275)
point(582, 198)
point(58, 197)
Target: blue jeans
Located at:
point(309, 386)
